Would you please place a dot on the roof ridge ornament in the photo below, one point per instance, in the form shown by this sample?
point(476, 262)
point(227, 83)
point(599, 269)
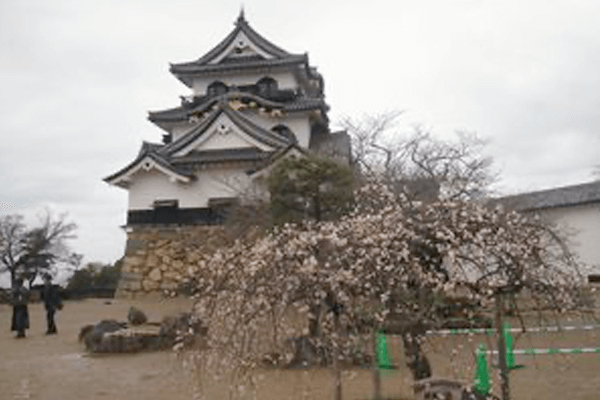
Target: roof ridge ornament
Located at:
point(241, 18)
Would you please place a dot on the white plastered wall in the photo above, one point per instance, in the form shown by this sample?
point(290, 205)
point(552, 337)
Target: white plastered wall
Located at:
point(245, 44)
point(180, 130)
point(298, 123)
point(152, 185)
point(582, 223)
point(223, 134)
point(285, 80)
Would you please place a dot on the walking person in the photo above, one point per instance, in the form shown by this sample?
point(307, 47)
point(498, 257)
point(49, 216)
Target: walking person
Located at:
point(19, 300)
point(52, 302)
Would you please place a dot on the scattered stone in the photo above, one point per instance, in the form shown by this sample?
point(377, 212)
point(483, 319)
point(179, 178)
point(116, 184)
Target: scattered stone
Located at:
point(183, 327)
point(111, 336)
point(136, 316)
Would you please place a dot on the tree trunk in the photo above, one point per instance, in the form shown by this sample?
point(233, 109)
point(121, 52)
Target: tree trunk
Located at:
point(504, 383)
point(375, 366)
point(314, 321)
point(417, 361)
point(337, 372)
point(317, 206)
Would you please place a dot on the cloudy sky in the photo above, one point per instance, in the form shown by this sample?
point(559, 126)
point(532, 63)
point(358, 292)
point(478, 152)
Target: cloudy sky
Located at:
point(77, 78)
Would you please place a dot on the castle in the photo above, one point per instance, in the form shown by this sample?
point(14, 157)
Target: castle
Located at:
point(252, 103)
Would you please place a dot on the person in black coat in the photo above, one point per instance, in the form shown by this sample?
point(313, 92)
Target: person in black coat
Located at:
point(52, 302)
point(19, 300)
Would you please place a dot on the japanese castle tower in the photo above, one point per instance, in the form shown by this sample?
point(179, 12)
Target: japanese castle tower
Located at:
point(251, 104)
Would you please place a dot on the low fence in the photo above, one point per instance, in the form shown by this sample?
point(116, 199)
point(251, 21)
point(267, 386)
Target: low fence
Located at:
point(97, 293)
point(65, 294)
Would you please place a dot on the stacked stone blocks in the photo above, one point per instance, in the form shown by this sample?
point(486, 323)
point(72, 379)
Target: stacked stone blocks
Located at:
point(158, 260)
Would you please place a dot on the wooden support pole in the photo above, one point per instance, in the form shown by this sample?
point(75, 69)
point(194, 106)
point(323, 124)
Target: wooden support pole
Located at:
point(375, 365)
point(504, 383)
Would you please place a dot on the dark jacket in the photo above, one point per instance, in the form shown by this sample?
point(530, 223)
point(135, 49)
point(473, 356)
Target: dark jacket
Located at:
point(51, 297)
point(20, 296)
point(20, 318)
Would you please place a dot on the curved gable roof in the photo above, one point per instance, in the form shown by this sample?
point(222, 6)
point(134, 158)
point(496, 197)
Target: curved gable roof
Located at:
point(241, 25)
point(148, 152)
point(245, 125)
point(206, 62)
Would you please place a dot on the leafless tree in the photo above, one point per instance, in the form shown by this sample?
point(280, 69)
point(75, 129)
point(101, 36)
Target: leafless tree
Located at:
point(415, 162)
point(29, 251)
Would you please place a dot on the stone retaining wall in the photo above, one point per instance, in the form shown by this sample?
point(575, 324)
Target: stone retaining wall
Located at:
point(158, 259)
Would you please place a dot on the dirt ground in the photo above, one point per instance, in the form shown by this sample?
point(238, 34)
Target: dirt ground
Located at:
point(56, 367)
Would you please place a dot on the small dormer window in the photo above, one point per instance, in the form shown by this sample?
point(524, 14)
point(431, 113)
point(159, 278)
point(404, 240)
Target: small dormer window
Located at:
point(267, 86)
point(216, 88)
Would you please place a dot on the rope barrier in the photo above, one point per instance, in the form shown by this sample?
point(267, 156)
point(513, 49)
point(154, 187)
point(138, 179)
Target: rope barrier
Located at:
point(491, 331)
point(532, 352)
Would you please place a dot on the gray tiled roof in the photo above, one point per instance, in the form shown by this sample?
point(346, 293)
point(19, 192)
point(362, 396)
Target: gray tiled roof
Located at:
point(151, 150)
point(250, 128)
point(174, 114)
point(208, 156)
point(559, 197)
point(161, 154)
point(203, 64)
point(149, 147)
point(180, 114)
point(193, 68)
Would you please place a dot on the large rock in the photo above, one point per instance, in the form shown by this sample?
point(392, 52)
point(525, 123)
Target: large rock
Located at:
point(110, 336)
point(135, 316)
point(92, 335)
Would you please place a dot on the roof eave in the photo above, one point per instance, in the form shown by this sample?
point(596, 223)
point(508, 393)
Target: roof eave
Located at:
point(122, 178)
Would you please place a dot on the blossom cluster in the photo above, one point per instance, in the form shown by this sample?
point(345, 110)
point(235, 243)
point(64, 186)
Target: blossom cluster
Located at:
point(390, 256)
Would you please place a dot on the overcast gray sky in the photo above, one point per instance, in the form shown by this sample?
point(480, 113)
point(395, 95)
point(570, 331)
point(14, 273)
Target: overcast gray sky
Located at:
point(77, 78)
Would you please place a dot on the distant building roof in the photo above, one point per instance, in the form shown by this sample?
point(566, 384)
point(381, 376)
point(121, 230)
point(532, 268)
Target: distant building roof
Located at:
point(559, 197)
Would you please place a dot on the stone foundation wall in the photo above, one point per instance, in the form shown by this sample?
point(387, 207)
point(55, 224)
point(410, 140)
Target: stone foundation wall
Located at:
point(158, 259)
